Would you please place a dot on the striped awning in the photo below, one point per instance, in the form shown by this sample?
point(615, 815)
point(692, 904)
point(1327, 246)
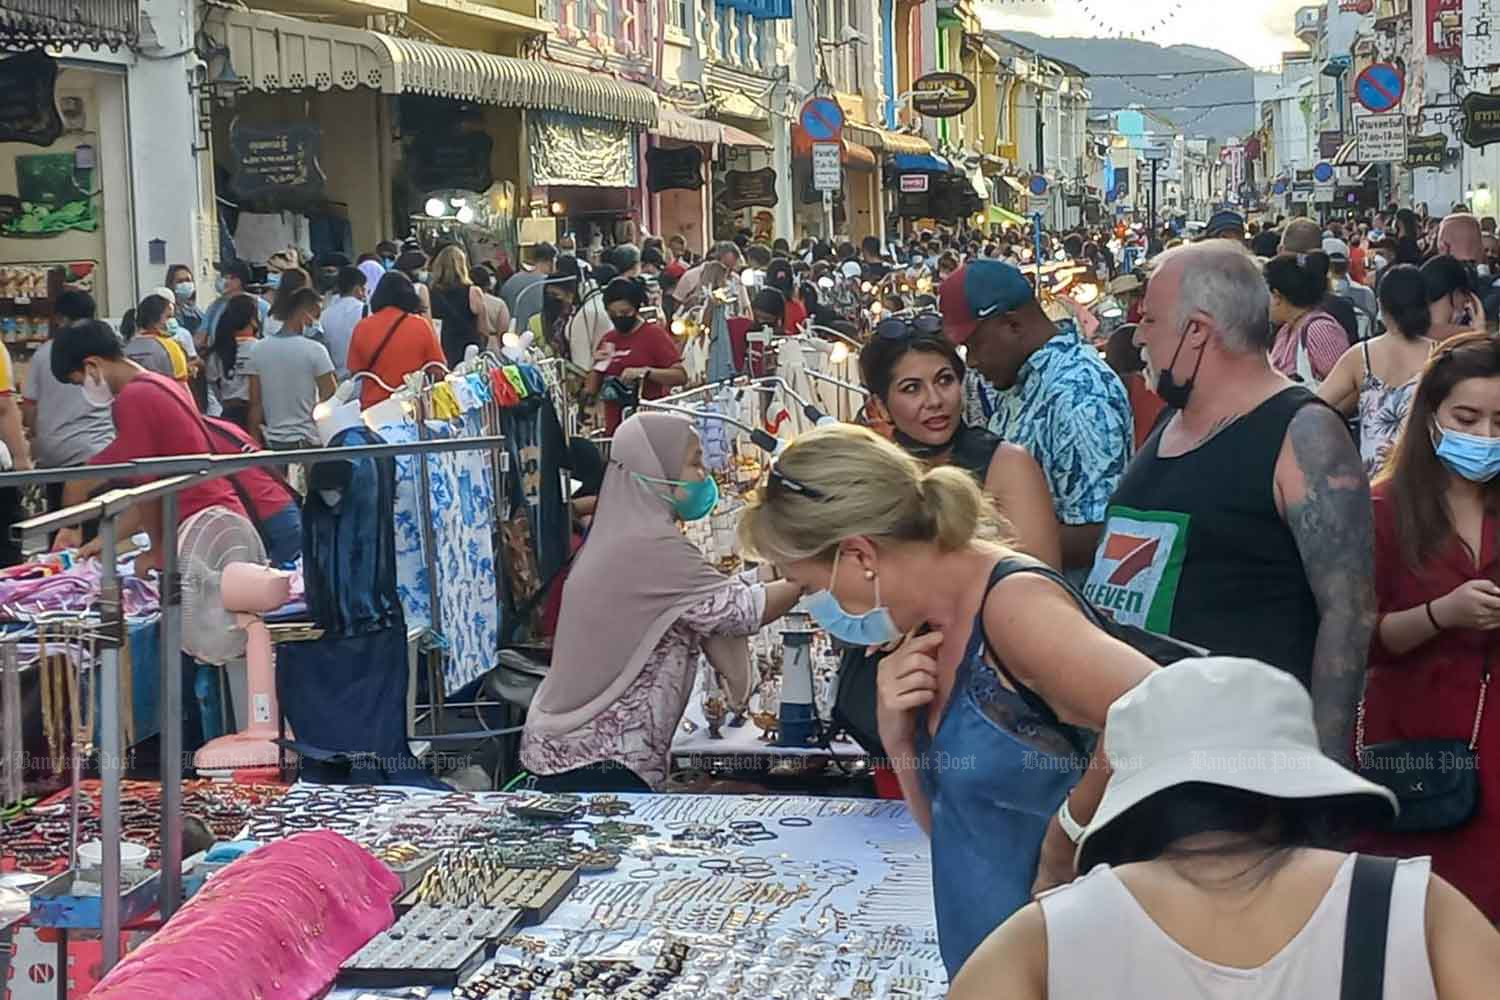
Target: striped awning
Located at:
point(57, 23)
point(673, 124)
point(739, 137)
point(891, 143)
point(271, 52)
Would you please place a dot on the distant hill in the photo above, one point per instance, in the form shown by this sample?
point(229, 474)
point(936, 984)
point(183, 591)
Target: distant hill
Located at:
point(1230, 94)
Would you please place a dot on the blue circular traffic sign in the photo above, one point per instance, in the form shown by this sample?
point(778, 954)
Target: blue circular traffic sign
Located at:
point(1379, 87)
point(822, 119)
point(1037, 185)
point(1323, 173)
point(1279, 187)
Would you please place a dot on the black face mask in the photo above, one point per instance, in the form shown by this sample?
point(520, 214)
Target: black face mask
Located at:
point(1174, 395)
point(624, 324)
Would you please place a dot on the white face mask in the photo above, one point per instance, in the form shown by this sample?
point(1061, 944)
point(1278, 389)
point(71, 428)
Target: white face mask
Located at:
point(96, 390)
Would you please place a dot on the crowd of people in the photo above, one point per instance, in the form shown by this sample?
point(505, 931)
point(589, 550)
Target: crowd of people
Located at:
point(1268, 455)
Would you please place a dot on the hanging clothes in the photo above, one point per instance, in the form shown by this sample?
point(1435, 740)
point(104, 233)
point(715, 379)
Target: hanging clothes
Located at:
point(538, 454)
point(348, 543)
point(721, 350)
point(462, 508)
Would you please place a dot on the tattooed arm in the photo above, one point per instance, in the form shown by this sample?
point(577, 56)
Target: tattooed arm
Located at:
point(1324, 498)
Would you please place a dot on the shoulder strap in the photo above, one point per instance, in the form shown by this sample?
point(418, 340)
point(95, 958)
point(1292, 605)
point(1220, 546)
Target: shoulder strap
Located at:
point(1365, 928)
point(1365, 346)
point(1009, 566)
point(384, 341)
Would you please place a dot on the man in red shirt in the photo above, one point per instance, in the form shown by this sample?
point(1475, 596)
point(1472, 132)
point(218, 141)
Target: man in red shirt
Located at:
point(154, 417)
point(637, 353)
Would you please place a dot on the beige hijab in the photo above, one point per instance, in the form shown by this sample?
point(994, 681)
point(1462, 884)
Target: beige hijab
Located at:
point(632, 580)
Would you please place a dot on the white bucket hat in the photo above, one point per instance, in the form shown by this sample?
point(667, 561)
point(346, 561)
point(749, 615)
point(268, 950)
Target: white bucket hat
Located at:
point(1222, 721)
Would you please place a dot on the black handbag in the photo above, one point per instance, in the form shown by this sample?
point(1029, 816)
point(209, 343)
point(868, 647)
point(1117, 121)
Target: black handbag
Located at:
point(1435, 781)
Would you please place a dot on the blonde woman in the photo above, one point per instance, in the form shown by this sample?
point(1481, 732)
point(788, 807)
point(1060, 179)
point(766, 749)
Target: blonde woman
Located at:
point(980, 704)
point(458, 304)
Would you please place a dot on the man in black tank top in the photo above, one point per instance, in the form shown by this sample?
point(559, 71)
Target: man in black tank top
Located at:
point(1244, 524)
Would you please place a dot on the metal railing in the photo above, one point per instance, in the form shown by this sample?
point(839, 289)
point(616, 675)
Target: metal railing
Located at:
point(182, 473)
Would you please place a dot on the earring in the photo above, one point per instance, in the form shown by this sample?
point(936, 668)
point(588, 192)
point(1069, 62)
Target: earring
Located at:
point(869, 574)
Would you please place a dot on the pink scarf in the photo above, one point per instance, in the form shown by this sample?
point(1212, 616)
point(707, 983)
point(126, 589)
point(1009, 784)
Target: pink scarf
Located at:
point(277, 923)
point(632, 580)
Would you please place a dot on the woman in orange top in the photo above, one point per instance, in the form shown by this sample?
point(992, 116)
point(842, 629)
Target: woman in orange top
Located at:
point(394, 340)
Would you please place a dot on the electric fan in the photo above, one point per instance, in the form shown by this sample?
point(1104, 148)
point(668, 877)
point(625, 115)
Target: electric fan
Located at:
point(226, 587)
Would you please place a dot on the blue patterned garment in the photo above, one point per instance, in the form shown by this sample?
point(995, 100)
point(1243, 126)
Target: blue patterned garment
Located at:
point(462, 502)
point(1070, 410)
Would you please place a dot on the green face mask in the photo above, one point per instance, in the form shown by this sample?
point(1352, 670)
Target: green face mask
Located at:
point(700, 499)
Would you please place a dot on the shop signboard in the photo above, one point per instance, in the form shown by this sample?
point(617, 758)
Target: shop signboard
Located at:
point(749, 188)
point(679, 169)
point(28, 99)
point(943, 95)
point(1426, 150)
point(1329, 143)
point(279, 160)
point(1323, 194)
point(1380, 138)
point(827, 166)
point(914, 183)
point(457, 160)
point(1481, 118)
point(1445, 28)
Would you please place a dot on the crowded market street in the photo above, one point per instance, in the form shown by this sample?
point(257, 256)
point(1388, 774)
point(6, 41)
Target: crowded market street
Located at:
point(533, 500)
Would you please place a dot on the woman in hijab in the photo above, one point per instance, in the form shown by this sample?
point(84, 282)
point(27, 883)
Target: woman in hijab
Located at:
point(628, 641)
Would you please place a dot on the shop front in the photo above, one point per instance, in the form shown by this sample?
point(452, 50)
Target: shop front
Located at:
point(752, 179)
point(357, 134)
point(98, 159)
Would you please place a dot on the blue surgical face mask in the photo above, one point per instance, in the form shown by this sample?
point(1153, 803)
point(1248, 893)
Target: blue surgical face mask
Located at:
point(424, 276)
point(1472, 456)
point(184, 290)
point(273, 280)
point(873, 628)
point(173, 326)
point(220, 284)
point(700, 496)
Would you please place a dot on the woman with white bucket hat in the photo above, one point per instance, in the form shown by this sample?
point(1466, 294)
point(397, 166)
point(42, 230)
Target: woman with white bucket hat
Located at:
point(1207, 874)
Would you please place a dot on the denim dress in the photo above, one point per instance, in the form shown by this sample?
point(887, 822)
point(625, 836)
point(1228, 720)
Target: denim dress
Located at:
point(994, 774)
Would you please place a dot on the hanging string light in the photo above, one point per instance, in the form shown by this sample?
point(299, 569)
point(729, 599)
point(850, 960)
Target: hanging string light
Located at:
point(1154, 20)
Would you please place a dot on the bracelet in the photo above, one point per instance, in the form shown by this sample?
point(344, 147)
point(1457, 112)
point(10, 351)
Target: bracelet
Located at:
point(1428, 608)
point(1070, 826)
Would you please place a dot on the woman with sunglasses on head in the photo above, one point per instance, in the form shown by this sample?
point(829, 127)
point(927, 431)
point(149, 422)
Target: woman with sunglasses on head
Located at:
point(916, 378)
point(1437, 562)
point(978, 706)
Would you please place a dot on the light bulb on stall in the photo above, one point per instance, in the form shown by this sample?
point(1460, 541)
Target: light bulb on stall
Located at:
point(557, 208)
point(466, 215)
point(867, 288)
point(875, 308)
point(511, 340)
point(678, 327)
point(839, 354)
point(435, 208)
point(924, 284)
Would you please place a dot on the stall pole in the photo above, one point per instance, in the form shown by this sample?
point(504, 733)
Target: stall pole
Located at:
point(429, 553)
point(171, 712)
point(111, 626)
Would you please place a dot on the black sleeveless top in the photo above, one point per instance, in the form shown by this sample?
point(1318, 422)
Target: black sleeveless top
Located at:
point(1193, 546)
point(973, 450)
point(460, 326)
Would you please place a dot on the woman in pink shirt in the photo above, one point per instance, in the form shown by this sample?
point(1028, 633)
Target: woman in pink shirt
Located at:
point(1309, 341)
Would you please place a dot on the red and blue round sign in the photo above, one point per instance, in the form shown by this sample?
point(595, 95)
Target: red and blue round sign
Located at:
point(1379, 87)
point(822, 119)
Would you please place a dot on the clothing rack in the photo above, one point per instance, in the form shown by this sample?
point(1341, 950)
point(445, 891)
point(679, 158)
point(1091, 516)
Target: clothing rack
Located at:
point(110, 633)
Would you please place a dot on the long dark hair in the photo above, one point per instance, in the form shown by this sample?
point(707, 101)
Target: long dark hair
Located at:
point(564, 278)
point(1300, 278)
point(241, 311)
point(1155, 827)
point(1413, 470)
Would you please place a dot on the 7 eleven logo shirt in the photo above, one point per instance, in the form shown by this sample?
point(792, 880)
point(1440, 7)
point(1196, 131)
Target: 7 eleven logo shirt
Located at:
point(1138, 566)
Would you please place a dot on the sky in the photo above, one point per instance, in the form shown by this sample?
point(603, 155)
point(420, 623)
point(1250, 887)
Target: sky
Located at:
point(1255, 31)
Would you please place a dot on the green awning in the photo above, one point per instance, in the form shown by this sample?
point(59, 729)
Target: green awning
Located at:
point(1005, 216)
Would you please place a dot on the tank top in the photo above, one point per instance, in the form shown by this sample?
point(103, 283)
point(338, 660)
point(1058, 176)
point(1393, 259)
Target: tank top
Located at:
point(1102, 943)
point(1193, 546)
point(1382, 413)
point(460, 325)
point(994, 775)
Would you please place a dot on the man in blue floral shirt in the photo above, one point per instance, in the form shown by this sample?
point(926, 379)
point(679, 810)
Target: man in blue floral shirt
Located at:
point(1052, 394)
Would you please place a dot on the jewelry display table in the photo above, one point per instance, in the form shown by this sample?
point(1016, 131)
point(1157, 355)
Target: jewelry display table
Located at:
point(700, 896)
